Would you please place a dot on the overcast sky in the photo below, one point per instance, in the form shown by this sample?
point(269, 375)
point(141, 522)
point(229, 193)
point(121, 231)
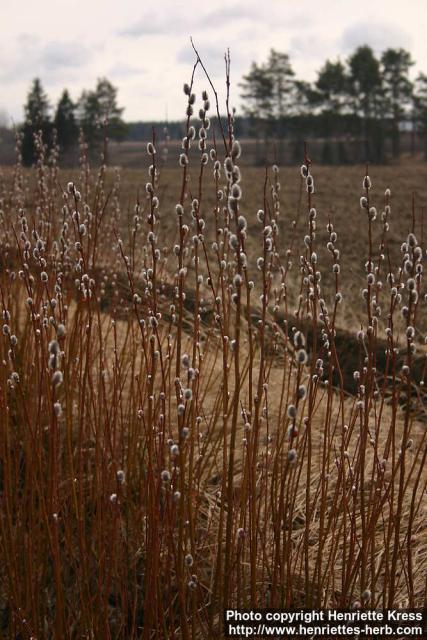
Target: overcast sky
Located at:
point(144, 48)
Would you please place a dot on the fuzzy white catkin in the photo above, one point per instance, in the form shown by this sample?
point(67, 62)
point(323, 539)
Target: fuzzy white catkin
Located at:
point(57, 378)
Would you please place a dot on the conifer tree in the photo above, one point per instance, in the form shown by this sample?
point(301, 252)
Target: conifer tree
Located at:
point(37, 120)
point(65, 122)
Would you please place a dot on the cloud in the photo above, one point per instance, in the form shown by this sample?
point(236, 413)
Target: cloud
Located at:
point(123, 70)
point(27, 39)
point(229, 16)
point(178, 20)
point(49, 61)
point(212, 56)
point(154, 24)
point(60, 55)
point(379, 36)
point(307, 47)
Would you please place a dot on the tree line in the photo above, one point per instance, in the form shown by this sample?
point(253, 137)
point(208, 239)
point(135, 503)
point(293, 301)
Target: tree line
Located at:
point(96, 113)
point(367, 96)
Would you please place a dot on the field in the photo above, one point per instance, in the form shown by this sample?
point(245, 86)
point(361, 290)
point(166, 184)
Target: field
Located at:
point(338, 191)
point(211, 390)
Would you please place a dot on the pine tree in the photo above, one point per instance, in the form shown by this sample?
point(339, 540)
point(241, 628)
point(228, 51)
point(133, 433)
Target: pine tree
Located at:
point(257, 93)
point(88, 117)
point(37, 120)
point(65, 122)
point(420, 108)
point(257, 97)
point(98, 112)
point(281, 74)
point(398, 89)
point(366, 91)
point(332, 87)
point(106, 95)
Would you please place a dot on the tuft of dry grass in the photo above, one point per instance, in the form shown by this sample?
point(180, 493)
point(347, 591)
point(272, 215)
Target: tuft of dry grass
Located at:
point(211, 393)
